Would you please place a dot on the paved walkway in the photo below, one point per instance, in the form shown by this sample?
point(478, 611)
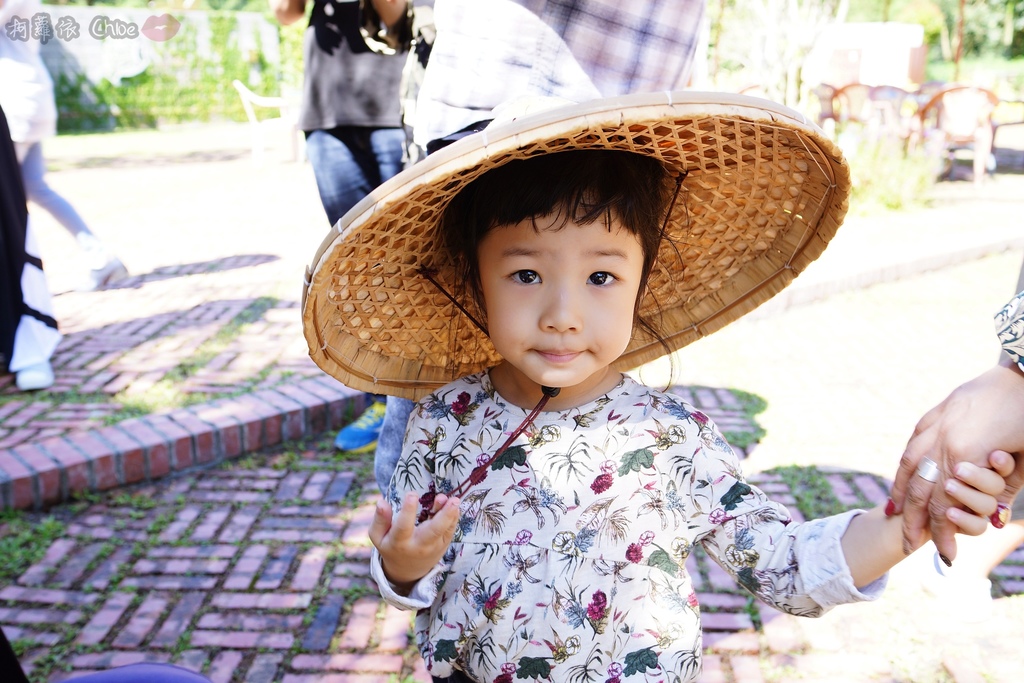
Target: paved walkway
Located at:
point(255, 570)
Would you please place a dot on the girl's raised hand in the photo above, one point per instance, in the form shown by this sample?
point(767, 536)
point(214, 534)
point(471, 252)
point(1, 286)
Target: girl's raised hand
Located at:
point(977, 488)
point(409, 551)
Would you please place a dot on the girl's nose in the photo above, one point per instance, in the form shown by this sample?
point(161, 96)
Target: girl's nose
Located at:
point(562, 311)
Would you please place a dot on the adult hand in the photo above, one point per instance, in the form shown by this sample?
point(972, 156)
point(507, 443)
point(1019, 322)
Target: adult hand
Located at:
point(409, 551)
point(979, 417)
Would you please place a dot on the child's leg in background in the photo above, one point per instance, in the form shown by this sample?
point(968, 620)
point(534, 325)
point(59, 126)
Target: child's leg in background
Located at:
point(103, 267)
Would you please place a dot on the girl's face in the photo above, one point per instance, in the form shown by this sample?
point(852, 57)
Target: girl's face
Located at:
point(559, 301)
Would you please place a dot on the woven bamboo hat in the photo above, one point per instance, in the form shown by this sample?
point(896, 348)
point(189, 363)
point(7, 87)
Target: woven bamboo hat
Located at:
point(764, 192)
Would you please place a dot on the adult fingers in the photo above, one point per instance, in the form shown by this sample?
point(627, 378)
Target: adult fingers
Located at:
point(921, 442)
point(943, 530)
point(918, 493)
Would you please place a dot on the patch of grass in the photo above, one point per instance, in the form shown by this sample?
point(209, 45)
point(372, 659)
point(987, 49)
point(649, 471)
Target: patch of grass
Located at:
point(885, 176)
point(134, 501)
point(22, 645)
point(24, 541)
point(752, 406)
point(814, 497)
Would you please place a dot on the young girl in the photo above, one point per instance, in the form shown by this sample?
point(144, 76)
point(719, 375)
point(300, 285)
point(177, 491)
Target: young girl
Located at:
point(544, 508)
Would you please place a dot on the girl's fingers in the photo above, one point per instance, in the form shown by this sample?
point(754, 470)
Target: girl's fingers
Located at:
point(975, 500)
point(439, 501)
point(981, 478)
point(381, 523)
point(969, 524)
point(405, 521)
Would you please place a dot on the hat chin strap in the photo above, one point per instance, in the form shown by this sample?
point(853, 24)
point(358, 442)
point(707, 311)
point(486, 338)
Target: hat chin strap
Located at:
point(479, 472)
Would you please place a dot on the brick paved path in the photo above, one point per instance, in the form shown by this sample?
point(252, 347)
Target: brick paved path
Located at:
point(256, 571)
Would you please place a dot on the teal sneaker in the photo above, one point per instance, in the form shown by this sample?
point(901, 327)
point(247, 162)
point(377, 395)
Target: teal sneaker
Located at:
point(361, 435)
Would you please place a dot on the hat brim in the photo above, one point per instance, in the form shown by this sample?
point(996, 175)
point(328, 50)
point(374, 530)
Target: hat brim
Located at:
point(764, 192)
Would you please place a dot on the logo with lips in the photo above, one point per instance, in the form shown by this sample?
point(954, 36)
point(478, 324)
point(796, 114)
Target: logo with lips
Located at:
point(161, 28)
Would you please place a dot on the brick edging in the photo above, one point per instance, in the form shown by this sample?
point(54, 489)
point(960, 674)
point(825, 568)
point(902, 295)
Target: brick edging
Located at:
point(42, 473)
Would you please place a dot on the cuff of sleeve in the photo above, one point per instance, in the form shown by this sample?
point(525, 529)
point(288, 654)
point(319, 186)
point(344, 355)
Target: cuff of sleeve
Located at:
point(421, 596)
point(823, 569)
point(1009, 324)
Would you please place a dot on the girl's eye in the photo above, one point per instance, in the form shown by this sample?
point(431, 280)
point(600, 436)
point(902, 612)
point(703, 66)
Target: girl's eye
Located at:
point(526, 277)
point(601, 278)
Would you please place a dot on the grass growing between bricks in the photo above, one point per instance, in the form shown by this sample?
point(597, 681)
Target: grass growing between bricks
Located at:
point(813, 493)
point(24, 540)
point(752, 405)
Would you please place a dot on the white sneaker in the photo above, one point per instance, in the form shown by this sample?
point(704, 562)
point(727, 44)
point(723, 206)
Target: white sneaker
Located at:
point(966, 599)
point(104, 276)
point(104, 268)
point(35, 377)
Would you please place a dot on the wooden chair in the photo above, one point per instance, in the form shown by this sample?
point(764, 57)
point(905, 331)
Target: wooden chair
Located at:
point(852, 103)
point(259, 128)
point(892, 111)
point(960, 117)
point(826, 118)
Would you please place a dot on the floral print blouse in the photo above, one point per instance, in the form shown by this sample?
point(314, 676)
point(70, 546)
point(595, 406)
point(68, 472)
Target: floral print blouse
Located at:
point(1010, 329)
point(568, 563)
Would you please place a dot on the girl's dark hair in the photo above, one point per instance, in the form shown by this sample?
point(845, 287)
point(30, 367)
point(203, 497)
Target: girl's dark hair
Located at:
point(582, 185)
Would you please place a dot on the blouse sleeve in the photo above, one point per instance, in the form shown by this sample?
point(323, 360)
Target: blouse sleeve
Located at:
point(798, 568)
point(411, 474)
point(1010, 328)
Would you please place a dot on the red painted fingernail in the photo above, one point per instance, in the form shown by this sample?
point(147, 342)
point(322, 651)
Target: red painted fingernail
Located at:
point(1001, 516)
point(945, 560)
point(890, 508)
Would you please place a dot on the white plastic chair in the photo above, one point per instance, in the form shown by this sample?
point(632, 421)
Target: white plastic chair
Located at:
point(287, 120)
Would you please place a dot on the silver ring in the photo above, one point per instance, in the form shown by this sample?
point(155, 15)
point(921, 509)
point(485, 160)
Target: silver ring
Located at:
point(928, 470)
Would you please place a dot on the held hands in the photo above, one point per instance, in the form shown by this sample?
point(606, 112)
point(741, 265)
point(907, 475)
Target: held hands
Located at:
point(977, 489)
point(979, 418)
point(975, 496)
point(873, 541)
point(409, 551)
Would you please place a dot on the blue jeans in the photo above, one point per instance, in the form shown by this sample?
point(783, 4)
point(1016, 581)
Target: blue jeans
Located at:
point(389, 443)
point(349, 161)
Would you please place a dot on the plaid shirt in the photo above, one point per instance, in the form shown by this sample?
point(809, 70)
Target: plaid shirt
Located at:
point(487, 52)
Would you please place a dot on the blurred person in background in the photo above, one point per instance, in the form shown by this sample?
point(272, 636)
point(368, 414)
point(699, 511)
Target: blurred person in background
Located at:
point(26, 94)
point(28, 330)
point(353, 52)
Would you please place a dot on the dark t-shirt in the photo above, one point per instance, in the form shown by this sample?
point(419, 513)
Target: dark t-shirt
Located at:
point(346, 84)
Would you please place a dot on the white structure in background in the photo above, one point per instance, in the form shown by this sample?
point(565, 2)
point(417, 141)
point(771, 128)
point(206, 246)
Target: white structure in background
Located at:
point(889, 53)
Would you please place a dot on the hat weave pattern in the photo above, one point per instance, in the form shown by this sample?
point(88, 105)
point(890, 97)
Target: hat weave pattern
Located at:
point(762, 193)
